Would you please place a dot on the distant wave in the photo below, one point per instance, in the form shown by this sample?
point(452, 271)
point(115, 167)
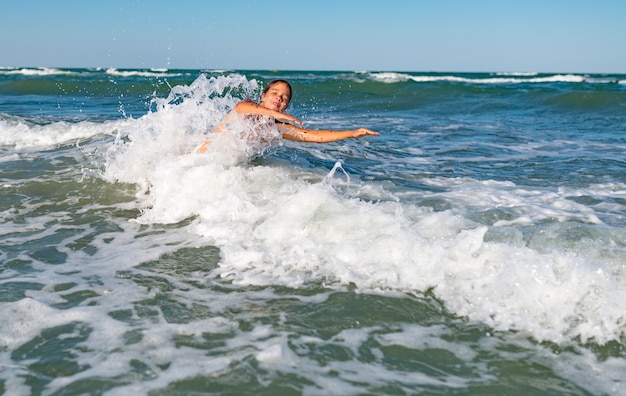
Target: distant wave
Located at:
point(388, 77)
point(36, 71)
point(502, 78)
point(517, 74)
point(50, 71)
point(141, 73)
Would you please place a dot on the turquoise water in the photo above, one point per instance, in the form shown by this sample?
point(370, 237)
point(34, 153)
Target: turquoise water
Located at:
point(477, 246)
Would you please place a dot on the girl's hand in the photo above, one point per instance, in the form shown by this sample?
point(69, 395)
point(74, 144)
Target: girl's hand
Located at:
point(359, 133)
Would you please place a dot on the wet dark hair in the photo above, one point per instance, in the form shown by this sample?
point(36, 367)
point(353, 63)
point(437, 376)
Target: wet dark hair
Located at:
point(274, 82)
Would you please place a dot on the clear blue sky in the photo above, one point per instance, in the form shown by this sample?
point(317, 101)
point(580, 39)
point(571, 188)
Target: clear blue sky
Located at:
point(392, 35)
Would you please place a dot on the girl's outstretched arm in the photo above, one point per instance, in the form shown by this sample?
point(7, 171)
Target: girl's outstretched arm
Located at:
point(292, 132)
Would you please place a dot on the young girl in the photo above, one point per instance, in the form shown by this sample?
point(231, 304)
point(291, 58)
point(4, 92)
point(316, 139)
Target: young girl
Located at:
point(274, 101)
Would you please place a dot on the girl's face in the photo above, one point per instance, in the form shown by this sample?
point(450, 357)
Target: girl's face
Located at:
point(277, 97)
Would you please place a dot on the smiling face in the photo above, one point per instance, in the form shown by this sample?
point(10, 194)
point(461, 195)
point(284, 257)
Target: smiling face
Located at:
point(276, 96)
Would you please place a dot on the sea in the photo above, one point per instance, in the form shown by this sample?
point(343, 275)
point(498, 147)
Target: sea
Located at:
point(477, 246)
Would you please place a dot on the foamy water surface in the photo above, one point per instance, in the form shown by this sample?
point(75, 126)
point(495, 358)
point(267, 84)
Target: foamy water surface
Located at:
point(457, 252)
